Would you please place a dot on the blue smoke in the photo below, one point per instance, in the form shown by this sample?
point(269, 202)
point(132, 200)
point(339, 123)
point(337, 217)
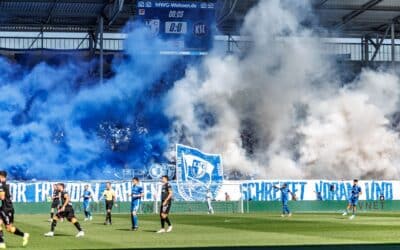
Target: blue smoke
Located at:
point(57, 124)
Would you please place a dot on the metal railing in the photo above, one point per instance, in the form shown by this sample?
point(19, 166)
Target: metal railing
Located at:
point(350, 51)
point(56, 43)
point(354, 51)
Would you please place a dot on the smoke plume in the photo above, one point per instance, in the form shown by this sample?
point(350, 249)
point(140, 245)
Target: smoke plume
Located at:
point(57, 126)
point(279, 111)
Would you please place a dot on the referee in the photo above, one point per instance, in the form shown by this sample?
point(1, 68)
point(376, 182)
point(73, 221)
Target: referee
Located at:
point(109, 196)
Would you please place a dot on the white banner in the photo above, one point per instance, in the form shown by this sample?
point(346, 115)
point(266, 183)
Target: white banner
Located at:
point(256, 190)
point(41, 191)
point(320, 190)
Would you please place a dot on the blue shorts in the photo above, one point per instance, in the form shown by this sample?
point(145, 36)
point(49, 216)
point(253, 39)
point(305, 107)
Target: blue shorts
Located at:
point(86, 205)
point(353, 201)
point(135, 205)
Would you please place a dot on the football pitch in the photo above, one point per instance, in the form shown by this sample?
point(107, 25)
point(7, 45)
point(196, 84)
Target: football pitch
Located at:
point(222, 231)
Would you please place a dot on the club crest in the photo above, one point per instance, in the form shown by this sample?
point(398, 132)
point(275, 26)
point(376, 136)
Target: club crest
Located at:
point(197, 172)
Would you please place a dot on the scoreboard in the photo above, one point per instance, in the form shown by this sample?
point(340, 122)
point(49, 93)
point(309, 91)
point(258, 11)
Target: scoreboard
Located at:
point(186, 26)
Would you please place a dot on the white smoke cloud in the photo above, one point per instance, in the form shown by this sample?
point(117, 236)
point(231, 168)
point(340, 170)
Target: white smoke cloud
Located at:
point(341, 132)
point(349, 134)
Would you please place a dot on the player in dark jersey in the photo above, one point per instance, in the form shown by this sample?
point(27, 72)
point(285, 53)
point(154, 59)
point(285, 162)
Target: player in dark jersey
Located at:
point(7, 210)
point(166, 202)
point(55, 202)
point(67, 211)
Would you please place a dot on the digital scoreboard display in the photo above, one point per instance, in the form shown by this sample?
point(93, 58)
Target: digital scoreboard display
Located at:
point(187, 26)
point(176, 28)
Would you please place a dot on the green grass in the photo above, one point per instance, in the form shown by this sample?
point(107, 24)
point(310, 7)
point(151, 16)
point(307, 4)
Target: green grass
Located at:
point(260, 229)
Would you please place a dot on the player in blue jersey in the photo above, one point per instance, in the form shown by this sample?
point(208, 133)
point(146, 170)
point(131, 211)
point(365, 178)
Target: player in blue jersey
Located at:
point(353, 200)
point(285, 191)
point(136, 194)
point(87, 196)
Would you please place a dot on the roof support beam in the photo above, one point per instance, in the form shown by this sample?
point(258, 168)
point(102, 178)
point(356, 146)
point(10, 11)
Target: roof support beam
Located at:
point(51, 11)
point(365, 50)
point(320, 4)
point(94, 35)
point(378, 46)
point(347, 18)
point(112, 11)
point(227, 11)
point(39, 36)
point(393, 45)
point(353, 8)
point(101, 58)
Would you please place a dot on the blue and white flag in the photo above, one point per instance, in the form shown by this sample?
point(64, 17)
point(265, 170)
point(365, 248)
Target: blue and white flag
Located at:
point(197, 172)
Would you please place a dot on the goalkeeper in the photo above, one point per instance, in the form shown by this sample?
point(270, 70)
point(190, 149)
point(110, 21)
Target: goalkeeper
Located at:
point(285, 191)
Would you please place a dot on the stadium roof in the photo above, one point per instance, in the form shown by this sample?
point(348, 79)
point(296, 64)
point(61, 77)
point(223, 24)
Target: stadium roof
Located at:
point(357, 18)
point(63, 15)
point(232, 13)
point(345, 18)
point(350, 18)
point(83, 15)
